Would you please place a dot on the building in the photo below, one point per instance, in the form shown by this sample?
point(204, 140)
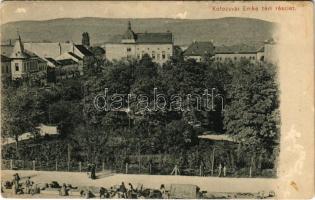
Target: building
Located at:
point(271, 51)
point(5, 67)
point(25, 63)
point(199, 51)
point(42, 131)
point(235, 52)
point(159, 46)
point(61, 51)
point(68, 69)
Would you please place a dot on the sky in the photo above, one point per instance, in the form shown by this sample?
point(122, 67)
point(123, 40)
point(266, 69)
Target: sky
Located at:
point(42, 10)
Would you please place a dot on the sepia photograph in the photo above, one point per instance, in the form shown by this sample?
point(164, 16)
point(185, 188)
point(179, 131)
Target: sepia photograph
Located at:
point(154, 100)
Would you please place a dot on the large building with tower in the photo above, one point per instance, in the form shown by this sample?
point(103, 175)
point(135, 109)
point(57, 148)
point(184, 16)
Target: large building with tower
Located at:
point(159, 46)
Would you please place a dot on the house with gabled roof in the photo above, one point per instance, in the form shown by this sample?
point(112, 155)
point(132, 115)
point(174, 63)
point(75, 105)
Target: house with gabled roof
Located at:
point(159, 46)
point(25, 63)
point(62, 50)
point(199, 50)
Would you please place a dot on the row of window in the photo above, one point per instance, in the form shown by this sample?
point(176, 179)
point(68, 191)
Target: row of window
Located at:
point(155, 56)
point(235, 58)
point(129, 49)
point(30, 66)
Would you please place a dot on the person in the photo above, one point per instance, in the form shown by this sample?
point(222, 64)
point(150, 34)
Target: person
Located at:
point(93, 171)
point(130, 191)
point(34, 188)
point(224, 170)
point(89, 170)
point(103, 193)
point(28, 185)
point(16, 183)
point(63, 190)
point(123, 190)
point(163, 191)
point(220, 169)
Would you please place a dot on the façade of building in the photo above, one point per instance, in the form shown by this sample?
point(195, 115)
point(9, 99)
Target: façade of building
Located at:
point(35, 59)
point(201, 50)
point(26, 64)
point(159, 46)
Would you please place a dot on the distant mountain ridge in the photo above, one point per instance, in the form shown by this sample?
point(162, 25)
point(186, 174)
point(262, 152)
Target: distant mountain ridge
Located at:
point(226, 31)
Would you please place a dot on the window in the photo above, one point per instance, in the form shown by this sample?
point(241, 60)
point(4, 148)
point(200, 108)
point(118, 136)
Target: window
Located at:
point(163, 54)
point(153, 54)
point(17, 67)
point(235, 58)
point(138, 56)
point(158, 56)
point(128, 49)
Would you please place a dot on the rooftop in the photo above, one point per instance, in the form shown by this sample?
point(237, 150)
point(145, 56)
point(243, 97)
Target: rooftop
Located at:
point(143, 38)
point(53, 61)
point(66, 62)
point(241, 48)
point(75, 55)
point(199, 49)
point(84, 50)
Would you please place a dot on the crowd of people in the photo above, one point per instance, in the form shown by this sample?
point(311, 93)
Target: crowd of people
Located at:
point(18, 187)
point(118, 191)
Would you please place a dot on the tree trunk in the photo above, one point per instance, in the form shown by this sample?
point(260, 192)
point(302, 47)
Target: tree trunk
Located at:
point(17, 147)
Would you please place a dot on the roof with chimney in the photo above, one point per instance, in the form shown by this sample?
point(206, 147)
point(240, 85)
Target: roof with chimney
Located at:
point(143, 38)
point(199, 49)
point(19, 52)
point(49, 49)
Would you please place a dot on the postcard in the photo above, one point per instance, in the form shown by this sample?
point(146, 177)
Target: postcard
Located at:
point(161, 100)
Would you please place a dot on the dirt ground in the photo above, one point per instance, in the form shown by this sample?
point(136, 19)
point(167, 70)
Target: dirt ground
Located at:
point(106, 179)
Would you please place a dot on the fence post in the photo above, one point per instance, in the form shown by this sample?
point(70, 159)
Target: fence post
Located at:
point(11, 164)
point(34, 165)
point(56, 166)
point(103, 166)
point(126, 168)
point(250, 171)
point(200, 173)
point(80, 167)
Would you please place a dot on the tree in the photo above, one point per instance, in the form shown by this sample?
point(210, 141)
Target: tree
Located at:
point(21, 113)
point(252, 115)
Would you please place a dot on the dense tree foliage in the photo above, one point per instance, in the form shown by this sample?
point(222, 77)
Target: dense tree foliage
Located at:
point(245, 106)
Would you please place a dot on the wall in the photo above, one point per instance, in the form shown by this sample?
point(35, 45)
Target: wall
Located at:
point(155, 51)
point(196, 58)
point(271, 53)
point(17, 74)
point(236, 56)
point(6, 68)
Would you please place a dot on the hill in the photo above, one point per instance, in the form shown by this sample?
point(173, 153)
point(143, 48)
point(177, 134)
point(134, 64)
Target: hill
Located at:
point(227, 31)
